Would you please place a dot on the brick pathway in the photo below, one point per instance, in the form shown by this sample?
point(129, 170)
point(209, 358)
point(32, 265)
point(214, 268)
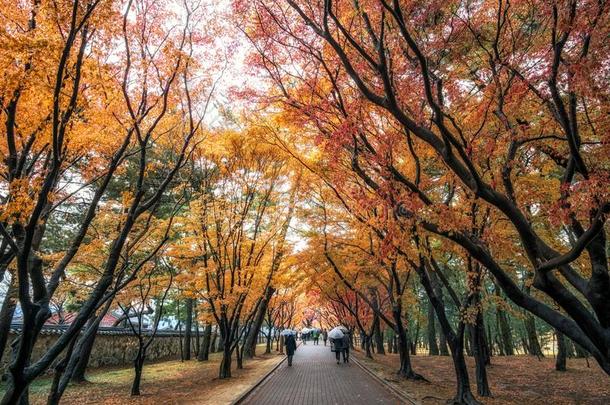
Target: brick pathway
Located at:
point(316, 379)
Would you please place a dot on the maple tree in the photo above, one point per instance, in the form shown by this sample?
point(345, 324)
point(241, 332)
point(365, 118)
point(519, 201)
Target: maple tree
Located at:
point(99, 119)
point(457, 119)
point(432, 175)
point(441, 104)
point(153, 284)
point(234, 233)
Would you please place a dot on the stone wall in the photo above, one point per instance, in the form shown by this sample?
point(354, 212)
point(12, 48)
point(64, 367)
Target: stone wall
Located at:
point(110, 350)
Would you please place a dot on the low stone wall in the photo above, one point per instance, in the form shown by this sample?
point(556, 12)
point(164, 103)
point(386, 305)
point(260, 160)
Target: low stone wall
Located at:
point(109, 350)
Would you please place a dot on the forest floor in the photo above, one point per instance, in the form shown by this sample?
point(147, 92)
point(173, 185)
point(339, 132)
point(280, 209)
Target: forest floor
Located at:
point(513, 380)
point(165, 382)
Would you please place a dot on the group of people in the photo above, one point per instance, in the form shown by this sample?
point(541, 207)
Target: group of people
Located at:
point(341, 345)
point(315, 335)
point(338, 345)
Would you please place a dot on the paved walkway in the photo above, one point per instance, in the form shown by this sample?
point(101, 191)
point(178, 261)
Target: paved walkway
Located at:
point(316, 379)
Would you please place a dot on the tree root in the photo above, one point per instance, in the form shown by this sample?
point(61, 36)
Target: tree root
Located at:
point(413, 376)
point(464, 399)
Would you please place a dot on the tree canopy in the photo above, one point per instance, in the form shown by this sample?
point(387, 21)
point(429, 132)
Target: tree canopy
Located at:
point(395, 166)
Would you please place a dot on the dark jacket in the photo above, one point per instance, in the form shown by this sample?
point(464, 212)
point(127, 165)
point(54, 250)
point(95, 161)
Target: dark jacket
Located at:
point(345, 342)
point(291, 345)
point(336, 345)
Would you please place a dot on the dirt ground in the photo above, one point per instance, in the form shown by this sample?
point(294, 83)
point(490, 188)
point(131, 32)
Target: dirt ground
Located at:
point(513, 380)
point(169, 382)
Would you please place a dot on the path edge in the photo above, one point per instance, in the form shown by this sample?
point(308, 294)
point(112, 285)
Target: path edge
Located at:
point(246, 393)
point(257, 384)
point(396, 391)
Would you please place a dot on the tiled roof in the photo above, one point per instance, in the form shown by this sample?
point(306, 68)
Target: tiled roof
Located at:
point(16, 328)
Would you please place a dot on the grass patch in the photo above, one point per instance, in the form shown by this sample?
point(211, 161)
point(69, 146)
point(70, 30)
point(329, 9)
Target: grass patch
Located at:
point(165, 382)
point(512, 379)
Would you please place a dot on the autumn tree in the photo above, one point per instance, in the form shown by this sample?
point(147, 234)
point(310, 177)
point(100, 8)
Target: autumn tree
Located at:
point(235, 232)
point(132, 103)
point(151, 288)
point(493, 102)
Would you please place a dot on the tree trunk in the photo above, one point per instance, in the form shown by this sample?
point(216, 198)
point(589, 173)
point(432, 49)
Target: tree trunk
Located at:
point(415, 340)
point(188, 323)
point(532, 336)
point(56, 392)
point(138, 365)
point(481, 356)
point(221, 343)
point(257, 323)
point(269, 341)
point(225, 364)
point(454, 339)
point(570, 350)
point(463, 394)
point(366, 344)
point(213, 342)
point(432, 345)
point(6, 314)
point(490, 342)
point(406, 369)
point(505, 333)
point(560, 361)
point(378, 337)
point(197, 336)
point(239, 355)
point(468, 340)
point(81, 366)
point(204, 349)
point(443, 349)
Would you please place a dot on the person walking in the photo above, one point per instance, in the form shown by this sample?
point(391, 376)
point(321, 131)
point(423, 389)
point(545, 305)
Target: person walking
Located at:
point(345, 343)
point(316, 337)
point(336, 345)
point(324, 336)
point(291, 345)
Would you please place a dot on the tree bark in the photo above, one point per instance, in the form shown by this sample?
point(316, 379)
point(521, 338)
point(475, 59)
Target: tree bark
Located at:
point(463, 394)
point(366, 343)
point(239, 355)
point(405, 369)
point(532, 336)
point(455, 339)
point(6, 314)
point(187, 328)
point(225, 364)
point(379, 349)
point(432, 345)
point(55, 392)
point(197, 345)
point(560, 361)
point(81, 366)
point(415, 340)
point(481, 356)
point(220, 343)
point(251, 339)
point(204, 350)
point(138, 364)
point(269, 341)
point(443, 349)
point(506, 337)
